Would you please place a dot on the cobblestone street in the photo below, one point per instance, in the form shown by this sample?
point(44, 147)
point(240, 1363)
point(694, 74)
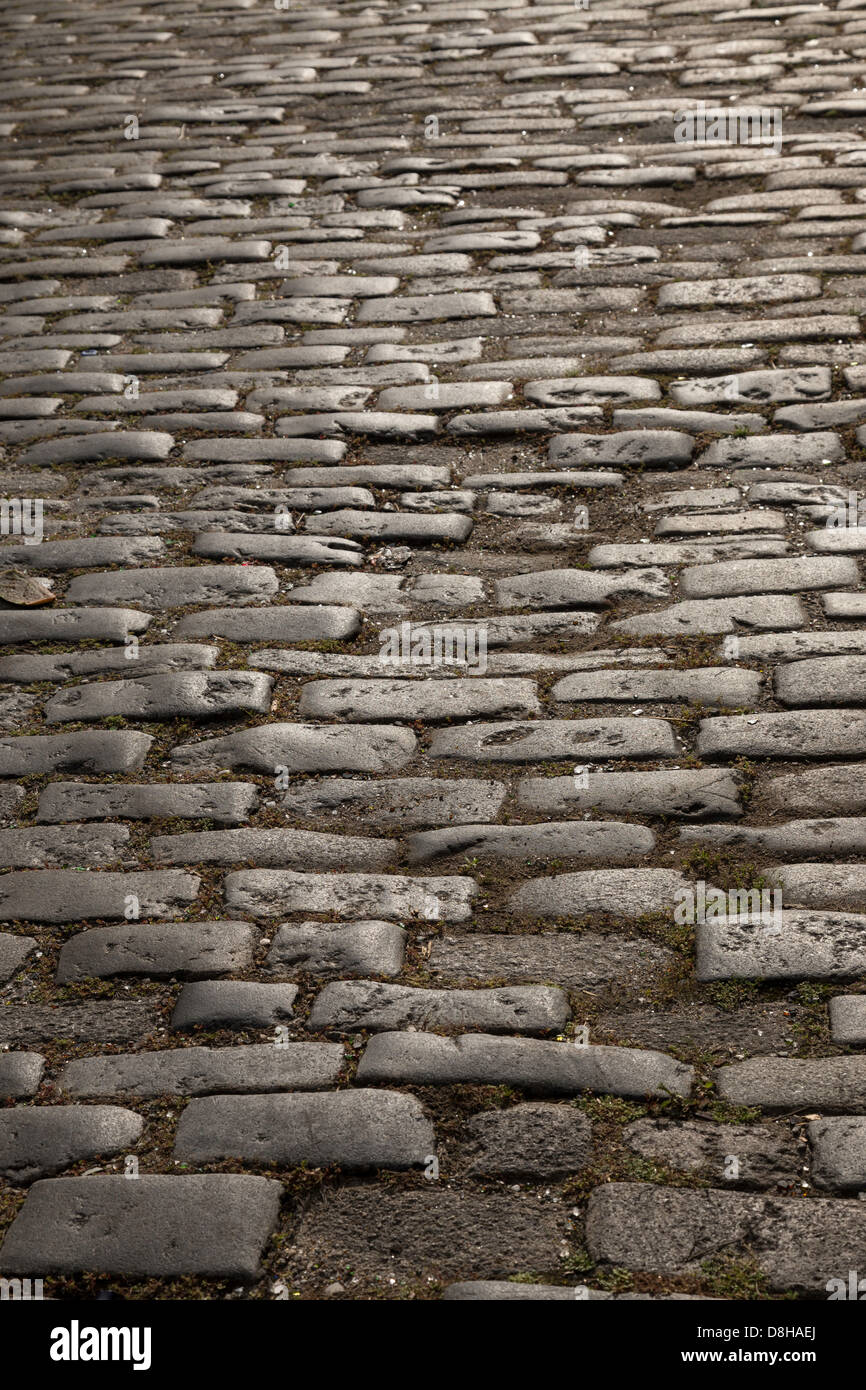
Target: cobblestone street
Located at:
point(433, 672)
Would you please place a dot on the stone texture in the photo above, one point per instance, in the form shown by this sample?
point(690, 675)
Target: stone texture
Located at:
point(766, 1156)
point(273, 892)
point(213, 1226)
point(798, 1245)
point(158, 949)
point(39, 1141)
point(192, 1071)
point(356, 948)
point(531, 1064)
point(354, 1129)
point(349, 1006)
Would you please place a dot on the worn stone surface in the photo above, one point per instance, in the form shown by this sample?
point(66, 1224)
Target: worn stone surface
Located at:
point(214, 1225)
point(355, 1129)
point(766, 1156)
point(233, 1004)
point(690, 794)
point(65, 895)
point(783, 945)
point(344, 1007)
point(609, 840)
point(358, 948)
point(227, 801)
point(274, 892)
point(787, 1083)
point(158, 949)
point(301, 748)
point(430, 449)
point(839, 1152)
point(567, 959)
point(534, 1065)
point(191, 1071)
point(399, 801)
point(556, 738)
point(798, 1245)
point(534, 1140)
point(39, 1141)
point(20, 1074)
point(453, 1234)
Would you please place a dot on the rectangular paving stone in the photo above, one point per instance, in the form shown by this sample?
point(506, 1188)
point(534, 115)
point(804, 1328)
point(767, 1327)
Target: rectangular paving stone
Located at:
point(848, 1019)
point(65, 895)
point(787, 451)
point(39, 1141)
point(837, 540)
point(175, 588)
point(125, 445)
point(782, 945)
point(154, 659)
point(443, 1232)
point(71, 625)
point(302, 748)
point(569, 588)
point(695, 616)
point(49, 556)
point(418, 308)
point(774, 646)
point(556, 738)
point(237, 1004)
point(351, 948)
point(275, 892)
point(355, 1129)
point(710, 685)
point(347, 1006)
point(844, 607)
point(799, 1245)
point(824, 838)
point(613, 842)
point(20, 1074)
point(191, 695)
point(220, 801)
point(444, 698)
point(196, 1071)
point(768, 576)
point(839, 1152)
point(276, 847)
point(411, 527)
point(399, 801)
point(816, 734)
point(52, 846)
point(689, 794)
point(94, 1022)
point(14, 951)
point(111, 750)
point(838, 787)
point(620, 892)
point(826, 883)
point(192, 950)
point(767, 1155)
point(624, 449)
point(529, 1063)
point(791, 1083)
point(213, 1225)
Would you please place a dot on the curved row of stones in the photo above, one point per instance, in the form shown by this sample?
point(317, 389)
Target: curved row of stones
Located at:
point(433, 830)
